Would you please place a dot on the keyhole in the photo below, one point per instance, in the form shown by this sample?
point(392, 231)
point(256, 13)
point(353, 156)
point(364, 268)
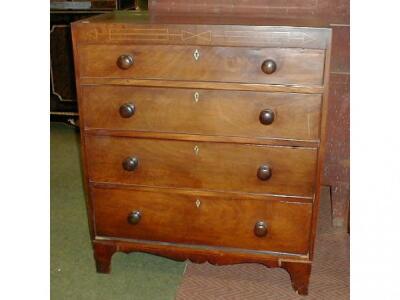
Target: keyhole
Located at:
point(196, 97)
point(196, 150)
point(196, 54)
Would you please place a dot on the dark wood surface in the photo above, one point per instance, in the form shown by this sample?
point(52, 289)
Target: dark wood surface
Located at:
point(252, 87)
point(215, 220)
point(337, 161)
point(330, 10)
point(220, 168)
point(128, 27)
point(294, 66)
point(205, 112)
point(63, 105)
point(322, 13)
point(204, 138)
point(216, 166)
point(332, 13)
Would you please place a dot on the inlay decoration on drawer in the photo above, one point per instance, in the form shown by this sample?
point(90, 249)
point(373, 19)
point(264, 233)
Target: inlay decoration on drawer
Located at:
point(228, 64)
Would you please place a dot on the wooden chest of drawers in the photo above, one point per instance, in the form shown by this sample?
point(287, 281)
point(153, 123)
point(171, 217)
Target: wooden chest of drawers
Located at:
point(203, 139)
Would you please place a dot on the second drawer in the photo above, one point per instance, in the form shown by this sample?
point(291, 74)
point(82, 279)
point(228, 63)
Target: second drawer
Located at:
point(202, 165)
point(210, 112)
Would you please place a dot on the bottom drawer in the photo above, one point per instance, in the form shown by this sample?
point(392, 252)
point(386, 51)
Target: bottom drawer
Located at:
point(203, 218)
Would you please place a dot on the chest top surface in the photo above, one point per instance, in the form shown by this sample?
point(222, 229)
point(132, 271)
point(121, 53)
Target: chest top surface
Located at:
point(133, 27)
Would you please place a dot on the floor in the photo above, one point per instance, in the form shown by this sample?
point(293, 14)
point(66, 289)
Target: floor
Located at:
point(143, 276)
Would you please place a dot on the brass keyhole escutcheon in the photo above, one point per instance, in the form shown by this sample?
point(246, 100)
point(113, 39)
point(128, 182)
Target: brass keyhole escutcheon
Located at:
point(196, 97)
point(198, 203)
point(196, 54)
point(196, 150)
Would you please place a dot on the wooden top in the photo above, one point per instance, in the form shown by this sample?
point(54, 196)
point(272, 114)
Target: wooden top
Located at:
point(127, 27)
point(132, 17)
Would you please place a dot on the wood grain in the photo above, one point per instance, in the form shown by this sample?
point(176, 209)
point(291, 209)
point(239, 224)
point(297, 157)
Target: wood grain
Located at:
point(83, 154)
point(337, 10)
point(340, 49)
point(321, 155)
point(200, 193)
point(205, 112)
point(219, 221)
point(215, 167)
point(204, 138)
point(197, 172)
point(127, 27)
point(230, 86)
point(234, 64)
point(337, 162)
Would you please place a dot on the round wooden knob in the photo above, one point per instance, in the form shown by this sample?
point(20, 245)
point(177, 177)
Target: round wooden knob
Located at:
point(130, 164)
point(125, 61)
point(134, 217)
point(268, 66)
point(267, 116)
point(264, 172)
point(127, 110)
point(260, 229)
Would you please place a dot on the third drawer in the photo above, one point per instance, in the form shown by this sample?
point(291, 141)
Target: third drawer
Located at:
point(202, 165)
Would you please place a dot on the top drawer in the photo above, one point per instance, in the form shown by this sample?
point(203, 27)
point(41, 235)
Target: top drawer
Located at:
point(202, 63)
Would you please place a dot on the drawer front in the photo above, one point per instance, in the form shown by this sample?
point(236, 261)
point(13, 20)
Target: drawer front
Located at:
point(220, 64)
point(209, 112)
point(202, 165)
point(203, 219)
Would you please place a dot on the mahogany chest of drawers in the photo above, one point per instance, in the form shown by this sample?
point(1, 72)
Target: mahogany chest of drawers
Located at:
point(202, 137)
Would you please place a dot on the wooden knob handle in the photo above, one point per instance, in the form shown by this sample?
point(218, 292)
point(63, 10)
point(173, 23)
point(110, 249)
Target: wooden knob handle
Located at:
point(264, 172)
point(134, 217)
point(267, 116)
point(130, 163)
point(125, 61)
point(268, 66)
point(260, 229)
point(127, 110)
